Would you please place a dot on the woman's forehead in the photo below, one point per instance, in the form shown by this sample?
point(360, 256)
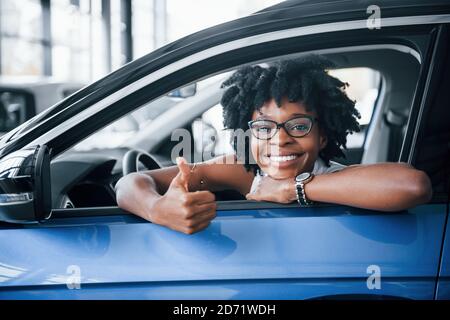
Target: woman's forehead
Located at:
point(287, 109)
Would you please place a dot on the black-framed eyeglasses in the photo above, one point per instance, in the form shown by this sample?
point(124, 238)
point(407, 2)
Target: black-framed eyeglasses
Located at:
point(296, 127)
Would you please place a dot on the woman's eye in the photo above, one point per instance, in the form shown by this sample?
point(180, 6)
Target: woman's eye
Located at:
point(300, 127)
point(263, 129)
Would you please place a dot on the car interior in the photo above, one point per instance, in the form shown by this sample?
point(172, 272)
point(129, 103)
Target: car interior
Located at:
point(85, 177)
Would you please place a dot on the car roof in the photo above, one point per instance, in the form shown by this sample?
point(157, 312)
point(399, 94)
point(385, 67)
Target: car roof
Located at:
point(325, 7)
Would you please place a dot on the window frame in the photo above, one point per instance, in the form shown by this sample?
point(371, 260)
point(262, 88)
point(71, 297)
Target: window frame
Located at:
point(424, 105)
point(222, 205)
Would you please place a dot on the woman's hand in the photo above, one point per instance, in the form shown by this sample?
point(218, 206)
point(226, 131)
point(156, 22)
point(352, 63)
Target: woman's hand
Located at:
point(268, 189)
point(181, 210)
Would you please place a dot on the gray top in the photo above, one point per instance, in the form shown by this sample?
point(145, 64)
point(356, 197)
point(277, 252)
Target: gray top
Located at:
point(319, 168)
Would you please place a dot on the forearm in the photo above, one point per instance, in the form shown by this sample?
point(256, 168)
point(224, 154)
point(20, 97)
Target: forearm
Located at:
point(177, 209)
point(137, 193)
point(384, 187)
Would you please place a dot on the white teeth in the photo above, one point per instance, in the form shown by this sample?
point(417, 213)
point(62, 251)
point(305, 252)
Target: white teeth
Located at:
point(283, 158)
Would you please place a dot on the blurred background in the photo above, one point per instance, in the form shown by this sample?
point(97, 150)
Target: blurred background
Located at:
point(83, 40)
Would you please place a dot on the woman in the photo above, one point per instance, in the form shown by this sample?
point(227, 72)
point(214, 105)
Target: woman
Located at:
point(299, 117)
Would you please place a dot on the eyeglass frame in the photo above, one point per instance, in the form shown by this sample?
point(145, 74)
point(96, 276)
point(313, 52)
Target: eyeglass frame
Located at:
point(282, 125)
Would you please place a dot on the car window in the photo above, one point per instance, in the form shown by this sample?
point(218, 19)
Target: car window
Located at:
point(376, 85)
point(115, 134)
point(209, 133)
point(364, 86)
point(205, 122)
point(151, 126)
point(127, 128)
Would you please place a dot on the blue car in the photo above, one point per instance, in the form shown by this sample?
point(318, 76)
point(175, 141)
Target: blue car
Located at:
point(62, 235)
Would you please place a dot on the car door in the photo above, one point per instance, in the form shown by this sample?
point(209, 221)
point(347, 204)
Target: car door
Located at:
point(251, 250)
point(432, 153)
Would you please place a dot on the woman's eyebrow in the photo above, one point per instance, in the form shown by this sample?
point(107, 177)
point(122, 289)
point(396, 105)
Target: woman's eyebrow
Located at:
point(300, 115)
point(262, 116)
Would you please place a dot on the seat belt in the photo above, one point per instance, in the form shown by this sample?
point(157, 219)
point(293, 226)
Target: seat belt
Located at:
point(395, 122)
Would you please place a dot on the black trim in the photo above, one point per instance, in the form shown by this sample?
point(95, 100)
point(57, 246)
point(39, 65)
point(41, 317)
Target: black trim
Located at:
point(430, 150)
point(42, 185)
point(398, 5)
point(436, 67)
point(441, 254)
point(423, 96)
point(221, 206)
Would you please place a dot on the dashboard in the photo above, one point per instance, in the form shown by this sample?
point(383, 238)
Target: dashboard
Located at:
point(86, 179)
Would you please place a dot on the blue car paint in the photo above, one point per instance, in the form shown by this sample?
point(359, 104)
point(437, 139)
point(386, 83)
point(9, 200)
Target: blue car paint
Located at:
point(443, 288)
point(287, 253)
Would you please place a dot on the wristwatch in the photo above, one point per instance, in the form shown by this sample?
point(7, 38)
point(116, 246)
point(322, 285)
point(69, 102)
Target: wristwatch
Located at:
point(300, 181)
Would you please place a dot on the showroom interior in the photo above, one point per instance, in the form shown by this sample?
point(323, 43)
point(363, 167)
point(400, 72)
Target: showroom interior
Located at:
point(83, 40)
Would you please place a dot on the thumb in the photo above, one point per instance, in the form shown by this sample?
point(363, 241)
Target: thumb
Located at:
point(184, 173)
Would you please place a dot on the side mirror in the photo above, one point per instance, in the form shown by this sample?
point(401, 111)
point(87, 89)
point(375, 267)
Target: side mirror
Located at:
point(25, 188)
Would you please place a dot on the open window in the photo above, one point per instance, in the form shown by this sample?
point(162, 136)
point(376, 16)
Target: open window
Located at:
point(381, 79)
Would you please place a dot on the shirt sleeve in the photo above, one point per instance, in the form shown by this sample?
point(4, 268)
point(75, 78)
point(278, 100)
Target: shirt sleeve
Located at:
point(321, 168)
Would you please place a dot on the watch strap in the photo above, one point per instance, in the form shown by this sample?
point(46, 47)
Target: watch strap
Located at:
point(302, 199)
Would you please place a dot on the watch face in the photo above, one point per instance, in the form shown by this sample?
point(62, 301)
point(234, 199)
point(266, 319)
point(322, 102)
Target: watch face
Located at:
point(302, 176)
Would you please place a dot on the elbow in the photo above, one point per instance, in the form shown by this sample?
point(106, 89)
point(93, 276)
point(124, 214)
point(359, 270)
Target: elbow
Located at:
point(123, 188)
point(421, 188)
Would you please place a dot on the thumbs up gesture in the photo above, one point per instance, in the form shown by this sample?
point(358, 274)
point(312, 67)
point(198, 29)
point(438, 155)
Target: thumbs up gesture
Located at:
point(182, 210)
point(181, 180)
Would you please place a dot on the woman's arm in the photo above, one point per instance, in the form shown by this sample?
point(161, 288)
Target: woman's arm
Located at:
point(383, 187)
point(180, 197)
point(217, 174)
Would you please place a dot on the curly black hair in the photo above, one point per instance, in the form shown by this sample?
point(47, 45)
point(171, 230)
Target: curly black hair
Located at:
point(306, 80)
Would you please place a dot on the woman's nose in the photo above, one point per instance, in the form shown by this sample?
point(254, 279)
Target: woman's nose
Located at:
point(281, 137)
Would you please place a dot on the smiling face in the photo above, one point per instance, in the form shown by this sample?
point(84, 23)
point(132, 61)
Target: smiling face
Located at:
point(283, 156)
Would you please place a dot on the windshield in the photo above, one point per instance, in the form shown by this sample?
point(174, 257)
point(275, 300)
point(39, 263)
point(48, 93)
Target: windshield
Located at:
point(126, 128)
point(118, 132)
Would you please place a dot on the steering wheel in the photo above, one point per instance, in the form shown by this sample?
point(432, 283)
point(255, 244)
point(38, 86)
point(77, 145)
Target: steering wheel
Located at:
point(131, 159)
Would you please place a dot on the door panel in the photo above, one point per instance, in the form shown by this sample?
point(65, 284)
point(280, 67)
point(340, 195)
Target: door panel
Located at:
point(286, 253)
point(443, 288)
